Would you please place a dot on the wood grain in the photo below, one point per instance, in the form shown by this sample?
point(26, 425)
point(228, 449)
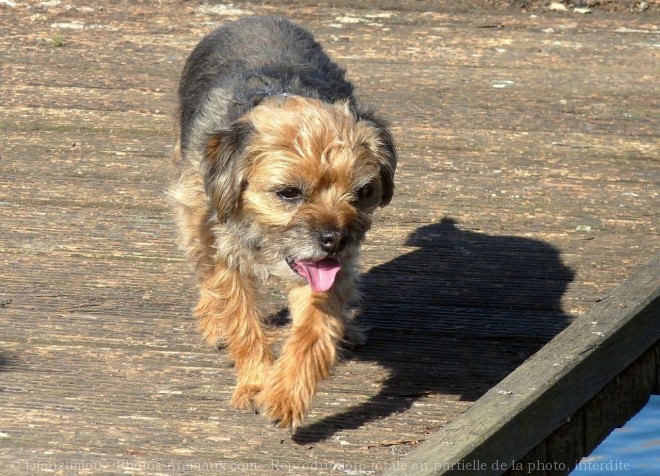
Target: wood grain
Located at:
point(527, 191)
point(549, 389)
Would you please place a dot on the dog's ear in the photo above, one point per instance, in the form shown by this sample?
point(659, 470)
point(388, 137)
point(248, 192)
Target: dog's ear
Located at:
point(382, 145)
point(225, 167)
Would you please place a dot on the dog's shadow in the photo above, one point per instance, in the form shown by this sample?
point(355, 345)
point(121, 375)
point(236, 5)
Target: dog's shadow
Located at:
point(455, 317)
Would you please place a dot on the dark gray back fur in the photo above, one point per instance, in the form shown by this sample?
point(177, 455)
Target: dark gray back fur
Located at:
point(241, 62)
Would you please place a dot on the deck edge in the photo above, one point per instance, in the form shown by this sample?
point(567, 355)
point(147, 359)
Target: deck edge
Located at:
point(519, 413)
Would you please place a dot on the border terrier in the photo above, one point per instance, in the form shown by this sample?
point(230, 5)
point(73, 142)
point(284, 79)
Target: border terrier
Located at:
point(279, 171)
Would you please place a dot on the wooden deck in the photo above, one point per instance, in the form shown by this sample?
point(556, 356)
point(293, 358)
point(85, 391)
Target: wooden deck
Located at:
point(558, 406)
point(528, 189)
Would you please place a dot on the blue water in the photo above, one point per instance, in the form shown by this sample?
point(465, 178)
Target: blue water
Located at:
point(632, 450)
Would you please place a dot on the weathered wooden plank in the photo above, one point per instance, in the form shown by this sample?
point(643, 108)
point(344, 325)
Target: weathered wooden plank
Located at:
point(564, 448)
point(656, 390)
point(536, 133)
point(617, 402)
point(536, 398)
point(536, 284)
point(620, 400)
point(131, 392)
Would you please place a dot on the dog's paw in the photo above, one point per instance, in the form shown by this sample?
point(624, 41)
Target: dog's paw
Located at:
point(282, 407)
point(244, 396)
point(354, 336)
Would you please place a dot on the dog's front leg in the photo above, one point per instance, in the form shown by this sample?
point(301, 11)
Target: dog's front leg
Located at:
point(228, 313)
point(308, 356)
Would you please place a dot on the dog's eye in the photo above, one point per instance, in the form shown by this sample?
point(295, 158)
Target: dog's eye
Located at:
point(290, 194)
point(365, 192)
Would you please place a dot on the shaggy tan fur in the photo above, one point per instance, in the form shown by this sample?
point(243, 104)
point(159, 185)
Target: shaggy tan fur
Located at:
point(238, 232)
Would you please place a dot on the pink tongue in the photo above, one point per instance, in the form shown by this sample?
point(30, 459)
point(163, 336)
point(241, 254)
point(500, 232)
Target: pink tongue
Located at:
point(320, 274)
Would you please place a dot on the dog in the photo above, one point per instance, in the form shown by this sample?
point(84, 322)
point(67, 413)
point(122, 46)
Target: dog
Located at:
point(278, 172)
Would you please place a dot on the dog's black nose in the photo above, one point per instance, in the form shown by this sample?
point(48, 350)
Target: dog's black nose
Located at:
point(333, 241)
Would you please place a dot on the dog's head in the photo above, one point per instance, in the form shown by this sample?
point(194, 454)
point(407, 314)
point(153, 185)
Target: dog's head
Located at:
point(302, 178)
